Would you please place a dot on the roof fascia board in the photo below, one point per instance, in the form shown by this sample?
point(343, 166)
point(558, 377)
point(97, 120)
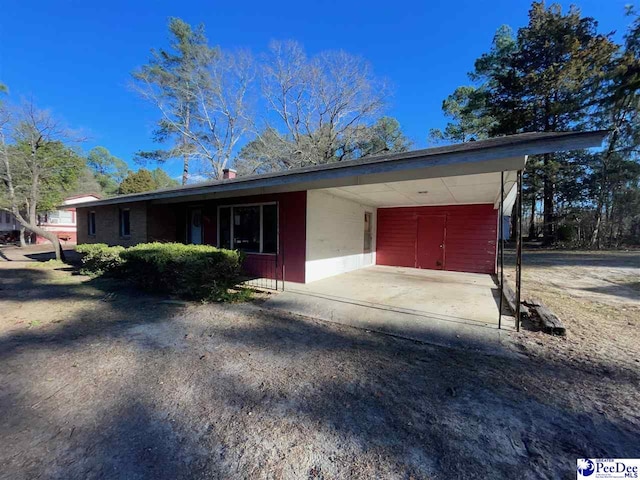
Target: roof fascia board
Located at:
point(437, 163)
point(507, 164)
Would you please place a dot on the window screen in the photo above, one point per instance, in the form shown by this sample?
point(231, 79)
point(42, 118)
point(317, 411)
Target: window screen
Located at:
point(367, 231)
point(251, 228)
point(91, 223)
point(246, 228)
point(270, 229)
point(60, 216)
point(125, 224)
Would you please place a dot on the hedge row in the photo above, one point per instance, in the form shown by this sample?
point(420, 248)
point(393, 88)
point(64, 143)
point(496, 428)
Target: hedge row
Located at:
point(188, 271)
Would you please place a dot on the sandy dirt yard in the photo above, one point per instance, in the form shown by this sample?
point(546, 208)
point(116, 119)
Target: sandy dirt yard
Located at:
point(597, 296)
point(100, 381)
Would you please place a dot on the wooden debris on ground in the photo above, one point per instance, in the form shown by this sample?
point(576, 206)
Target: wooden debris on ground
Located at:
point(510, 297)
point(549, 321)
point(533, 308)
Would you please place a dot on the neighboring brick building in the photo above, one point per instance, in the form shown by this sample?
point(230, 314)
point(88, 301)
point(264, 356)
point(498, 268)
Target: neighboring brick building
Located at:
point(63, 222)
point(108, 222)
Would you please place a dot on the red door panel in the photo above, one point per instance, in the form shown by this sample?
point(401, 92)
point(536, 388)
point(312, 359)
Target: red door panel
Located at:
point(470, 244)
point(430, 244)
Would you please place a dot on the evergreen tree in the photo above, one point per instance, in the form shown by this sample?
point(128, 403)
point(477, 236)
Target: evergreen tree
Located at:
point(137, 182)
point(547, 78)
point(144, 181)
point(108, 170)
point(162, 180)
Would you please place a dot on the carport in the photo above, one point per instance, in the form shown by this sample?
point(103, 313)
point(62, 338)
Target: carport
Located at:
point(431, 267)
point(447, 308)
point(426, 268)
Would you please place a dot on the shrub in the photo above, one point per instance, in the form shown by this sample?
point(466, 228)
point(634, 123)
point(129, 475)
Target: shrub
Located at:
point(566, 233)
point(190, 271)
point(100, 258)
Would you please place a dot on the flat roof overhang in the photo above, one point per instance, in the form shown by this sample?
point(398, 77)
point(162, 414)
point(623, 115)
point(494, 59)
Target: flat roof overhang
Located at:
point(479, 188)
point(502, 154)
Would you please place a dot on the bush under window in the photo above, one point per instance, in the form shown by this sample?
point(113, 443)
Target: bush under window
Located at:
point(188, 271)
point(100, 259)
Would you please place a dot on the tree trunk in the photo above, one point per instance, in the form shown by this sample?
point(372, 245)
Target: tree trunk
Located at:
point(185, 169)
point(607, 220)
point(514, 223)
point(23, 242)
point(595, 237)
point(57, 248)
point(55, 241)
point(185, 143)
point(532, 220)
point(597, 232)
point(620, 235)
point(548, 197)
point(612, 218)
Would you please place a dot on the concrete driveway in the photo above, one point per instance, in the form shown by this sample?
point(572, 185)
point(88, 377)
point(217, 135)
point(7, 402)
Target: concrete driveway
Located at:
point(443, 308)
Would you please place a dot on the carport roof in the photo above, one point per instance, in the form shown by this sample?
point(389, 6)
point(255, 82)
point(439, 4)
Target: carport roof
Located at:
point(506, 153)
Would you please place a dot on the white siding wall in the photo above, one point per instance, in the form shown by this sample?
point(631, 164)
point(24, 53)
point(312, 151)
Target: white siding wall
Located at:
point(335, 236)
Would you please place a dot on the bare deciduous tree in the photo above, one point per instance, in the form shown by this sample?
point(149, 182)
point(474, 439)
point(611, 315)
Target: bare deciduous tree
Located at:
point(36, 168)
point(201, 93)
point(320, 105)
point(170, 82)
point(224, 110)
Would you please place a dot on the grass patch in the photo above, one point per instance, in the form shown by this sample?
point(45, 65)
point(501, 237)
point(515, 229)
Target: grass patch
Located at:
point(236, 295)
point(48, 265)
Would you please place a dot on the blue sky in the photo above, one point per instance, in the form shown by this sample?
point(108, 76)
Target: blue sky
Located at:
point(75, 57)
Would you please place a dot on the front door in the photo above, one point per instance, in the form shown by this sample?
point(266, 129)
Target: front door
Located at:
point(430, 244)
point(195, 225)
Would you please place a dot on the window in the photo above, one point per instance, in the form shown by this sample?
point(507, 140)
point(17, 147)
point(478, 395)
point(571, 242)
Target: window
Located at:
point(125, 222)
point(249, 228)
point(59, 216)
point(270, 228)
point(246, 228)
point(91, 223)
point(7, 217)
point(367, 232)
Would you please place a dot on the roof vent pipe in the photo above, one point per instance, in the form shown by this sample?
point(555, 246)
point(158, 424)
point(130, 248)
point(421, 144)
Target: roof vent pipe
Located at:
point(229, 173)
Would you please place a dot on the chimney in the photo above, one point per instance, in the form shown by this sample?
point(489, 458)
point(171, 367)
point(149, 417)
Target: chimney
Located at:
point(229, 173)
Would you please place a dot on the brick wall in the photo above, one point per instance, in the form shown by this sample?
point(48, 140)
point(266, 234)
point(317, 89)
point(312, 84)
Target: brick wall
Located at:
point(168, 223)
point(108, 226)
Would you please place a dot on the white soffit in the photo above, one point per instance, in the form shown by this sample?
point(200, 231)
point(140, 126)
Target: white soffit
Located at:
point(463, 189)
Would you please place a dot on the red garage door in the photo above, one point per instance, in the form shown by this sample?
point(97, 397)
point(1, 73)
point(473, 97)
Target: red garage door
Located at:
point(459, 238)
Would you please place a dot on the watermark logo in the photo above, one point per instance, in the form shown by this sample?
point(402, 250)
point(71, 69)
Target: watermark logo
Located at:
point(586, 467)
point(592, 468)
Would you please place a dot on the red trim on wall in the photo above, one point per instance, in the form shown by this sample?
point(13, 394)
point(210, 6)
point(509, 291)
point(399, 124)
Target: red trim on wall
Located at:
point(292, 229)
point(470, 243)
point(65, 237)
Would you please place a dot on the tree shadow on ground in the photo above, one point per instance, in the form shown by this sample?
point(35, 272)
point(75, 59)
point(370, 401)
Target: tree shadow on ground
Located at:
point(37, 253)
point(219, 391)
point(119, 305)
point(626, 290)
point(71, 256)
point(571, 258)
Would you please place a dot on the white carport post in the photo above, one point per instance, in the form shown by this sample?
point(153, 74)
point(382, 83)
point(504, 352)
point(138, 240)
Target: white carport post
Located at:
point(501, 247)
point(518, 248)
